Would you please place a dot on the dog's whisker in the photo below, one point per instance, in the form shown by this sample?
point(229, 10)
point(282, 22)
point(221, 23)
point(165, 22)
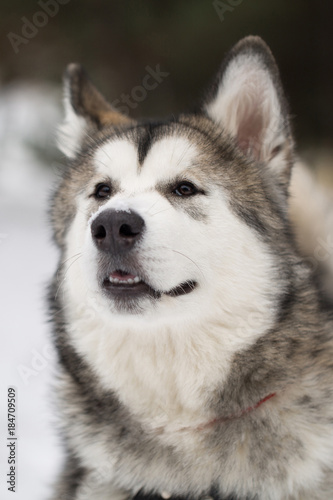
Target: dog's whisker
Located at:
point(70, 258)
point(160, 211)
point(186, 257)
point(152, 206)
point(66, 272)
point(102, 163)
point(65, 261)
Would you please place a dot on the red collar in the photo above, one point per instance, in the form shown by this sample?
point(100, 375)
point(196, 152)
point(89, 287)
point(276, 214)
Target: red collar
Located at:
point(233, 417)
point(220, 420)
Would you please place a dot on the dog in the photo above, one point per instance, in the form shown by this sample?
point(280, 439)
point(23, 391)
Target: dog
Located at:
point(194, 340)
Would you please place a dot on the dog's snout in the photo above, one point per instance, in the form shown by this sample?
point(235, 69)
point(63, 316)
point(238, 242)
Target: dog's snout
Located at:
point(116, 232)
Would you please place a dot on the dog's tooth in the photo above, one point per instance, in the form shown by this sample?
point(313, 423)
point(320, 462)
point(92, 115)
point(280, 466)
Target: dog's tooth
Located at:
point(117, 281)
point(114, 280)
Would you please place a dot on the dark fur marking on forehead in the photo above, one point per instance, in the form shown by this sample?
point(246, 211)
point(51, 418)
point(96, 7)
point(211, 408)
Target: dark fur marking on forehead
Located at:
point(144, 143)
point(149, 131)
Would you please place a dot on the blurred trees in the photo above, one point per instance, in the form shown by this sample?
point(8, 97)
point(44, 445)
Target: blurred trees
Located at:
point(116, 40)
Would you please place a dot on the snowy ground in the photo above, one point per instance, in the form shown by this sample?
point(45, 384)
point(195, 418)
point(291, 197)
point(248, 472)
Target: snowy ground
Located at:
point(28, 115)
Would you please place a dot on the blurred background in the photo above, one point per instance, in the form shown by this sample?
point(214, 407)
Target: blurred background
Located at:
point(119, 43)
point(116, 41)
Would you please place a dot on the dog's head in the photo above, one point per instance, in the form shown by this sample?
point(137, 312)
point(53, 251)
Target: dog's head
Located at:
point(178, 217)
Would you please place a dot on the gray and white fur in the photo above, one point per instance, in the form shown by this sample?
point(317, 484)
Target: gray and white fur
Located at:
point(207, 368)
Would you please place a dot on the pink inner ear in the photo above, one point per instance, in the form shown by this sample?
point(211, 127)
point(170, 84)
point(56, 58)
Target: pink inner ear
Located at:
point(247, 105)
point(251, 129)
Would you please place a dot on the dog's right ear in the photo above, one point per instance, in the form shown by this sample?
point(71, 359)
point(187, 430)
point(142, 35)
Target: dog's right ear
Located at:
point(86, 110)
point(248, 102)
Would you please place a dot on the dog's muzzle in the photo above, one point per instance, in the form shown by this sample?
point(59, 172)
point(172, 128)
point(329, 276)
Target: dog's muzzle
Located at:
point(115, 235)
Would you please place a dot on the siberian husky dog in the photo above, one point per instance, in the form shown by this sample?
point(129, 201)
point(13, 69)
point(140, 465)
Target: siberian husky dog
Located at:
point(195, 343)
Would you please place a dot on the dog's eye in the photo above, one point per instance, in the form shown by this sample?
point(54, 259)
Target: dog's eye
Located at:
point(102, 191)
point(185, 189)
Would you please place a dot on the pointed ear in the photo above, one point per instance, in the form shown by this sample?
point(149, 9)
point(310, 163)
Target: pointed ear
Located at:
point(86, 111)
point(247, 100)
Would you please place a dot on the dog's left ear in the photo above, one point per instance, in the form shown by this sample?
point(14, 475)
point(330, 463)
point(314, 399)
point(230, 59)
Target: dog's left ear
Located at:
point(86, 110)
point(247, 100)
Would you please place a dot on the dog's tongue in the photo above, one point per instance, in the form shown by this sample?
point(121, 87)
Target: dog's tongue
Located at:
point(121, 275)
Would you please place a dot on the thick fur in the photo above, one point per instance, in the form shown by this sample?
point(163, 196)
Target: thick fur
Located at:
point(166, 394)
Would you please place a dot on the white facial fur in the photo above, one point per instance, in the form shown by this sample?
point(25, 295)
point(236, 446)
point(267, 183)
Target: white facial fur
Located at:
point(161, 361)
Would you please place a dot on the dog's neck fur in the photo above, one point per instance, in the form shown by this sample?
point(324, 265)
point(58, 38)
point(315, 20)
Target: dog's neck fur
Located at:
point(150, 376)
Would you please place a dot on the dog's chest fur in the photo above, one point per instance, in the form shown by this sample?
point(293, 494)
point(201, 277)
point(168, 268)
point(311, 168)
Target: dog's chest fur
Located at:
point(166, 373)
point(144, 402)
point(276, 449)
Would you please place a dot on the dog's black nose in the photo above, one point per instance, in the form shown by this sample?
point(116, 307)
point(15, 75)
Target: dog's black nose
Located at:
point(117, 232)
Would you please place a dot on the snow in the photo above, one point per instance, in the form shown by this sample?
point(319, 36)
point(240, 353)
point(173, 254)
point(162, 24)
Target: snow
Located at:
point(122, 205)
point(28, 116)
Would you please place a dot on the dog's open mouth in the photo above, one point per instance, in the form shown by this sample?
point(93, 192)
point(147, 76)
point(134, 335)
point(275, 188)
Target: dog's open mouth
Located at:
point(124, 285)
